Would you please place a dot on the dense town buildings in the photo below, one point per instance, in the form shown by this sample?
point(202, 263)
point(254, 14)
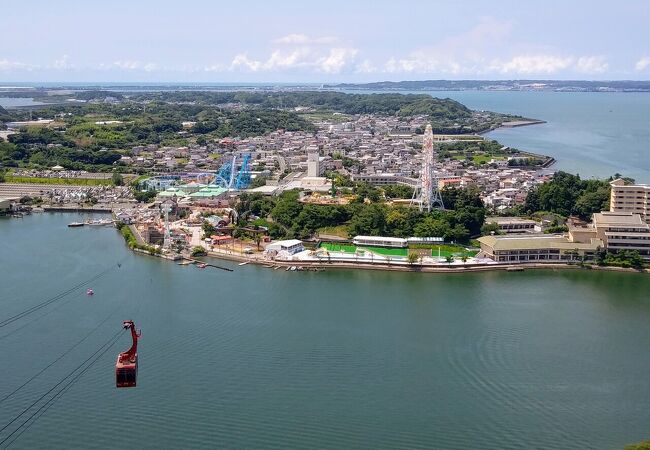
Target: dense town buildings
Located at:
point(379, 150)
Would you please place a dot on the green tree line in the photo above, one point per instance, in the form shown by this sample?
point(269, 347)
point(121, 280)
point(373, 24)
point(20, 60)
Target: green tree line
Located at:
point(568, 194)
point(289, 218)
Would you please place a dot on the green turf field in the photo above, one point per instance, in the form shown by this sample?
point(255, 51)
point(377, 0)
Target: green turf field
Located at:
point(332, 247)
point(386, 251)
point(445, 250)
point(347, 248)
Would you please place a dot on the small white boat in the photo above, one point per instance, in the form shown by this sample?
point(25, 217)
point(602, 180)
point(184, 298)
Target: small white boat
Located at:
point(90, 292)
point(243, 263)
point(292, 268)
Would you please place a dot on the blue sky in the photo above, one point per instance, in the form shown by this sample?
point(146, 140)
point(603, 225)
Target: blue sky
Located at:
point(324, 41)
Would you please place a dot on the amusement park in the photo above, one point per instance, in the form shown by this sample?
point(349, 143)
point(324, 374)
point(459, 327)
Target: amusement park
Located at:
point(233, 175)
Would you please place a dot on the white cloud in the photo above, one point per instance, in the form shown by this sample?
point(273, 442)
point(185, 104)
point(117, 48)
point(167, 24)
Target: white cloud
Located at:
point(488, 49)
point(532, 64)
point(213, 68)
point(243, 61)
point(62, 63)
point(330, 61)
point(303, 39)
point(419, 62)
point(336, 60)
point(288, 60)
point(592, 64)
point(461, 53)
point(133, 65)
point(642, 64)
point(365, 66)
point(9, 66)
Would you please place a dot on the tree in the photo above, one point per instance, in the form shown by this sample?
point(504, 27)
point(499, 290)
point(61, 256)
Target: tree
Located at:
point(459, 233)
point(198, 251)
point(397, 223)
point(413, 258)
point(430, 227)
point(365, 190)
point(258, 181)
point(591, 202)
point(369, 220)
point(287, 208)
point(489, 228)
point(455, 198)
point(398, 191)
point(568, 194)
point(449, 259)
point(208, 229)
point(144, 196)
point(117, 179)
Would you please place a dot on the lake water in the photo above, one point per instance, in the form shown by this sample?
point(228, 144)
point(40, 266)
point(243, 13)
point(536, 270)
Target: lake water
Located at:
point(10, 102)
point(258, 358)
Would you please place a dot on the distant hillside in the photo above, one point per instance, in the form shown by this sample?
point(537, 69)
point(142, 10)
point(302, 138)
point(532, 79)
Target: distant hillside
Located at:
point(389, 104)
point(492, 85)
point(4, 115)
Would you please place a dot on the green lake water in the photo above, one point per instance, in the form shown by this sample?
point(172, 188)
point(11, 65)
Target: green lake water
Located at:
point(258, 358)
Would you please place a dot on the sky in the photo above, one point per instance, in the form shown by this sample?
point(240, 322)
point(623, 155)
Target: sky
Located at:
point(322, 42)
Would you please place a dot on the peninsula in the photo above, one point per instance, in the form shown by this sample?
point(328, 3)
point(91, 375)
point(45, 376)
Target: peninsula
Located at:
point(307, 178)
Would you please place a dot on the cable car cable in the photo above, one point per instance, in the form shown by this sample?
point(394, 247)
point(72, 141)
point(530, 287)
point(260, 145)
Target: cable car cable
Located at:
point(111, 341)
point(58, 395)
point(59, 296)
point(61, 356)
point(26, 324)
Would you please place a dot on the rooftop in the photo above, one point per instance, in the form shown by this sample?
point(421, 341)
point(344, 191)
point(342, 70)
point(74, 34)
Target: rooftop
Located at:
point(500, 220)
point(288, 242)
point(536, 243)
point(607, 218)
point(622, 182)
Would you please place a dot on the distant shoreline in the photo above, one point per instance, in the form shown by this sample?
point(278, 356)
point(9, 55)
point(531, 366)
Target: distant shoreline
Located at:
point(521, 123)
point(548, 160)
point(501, 86)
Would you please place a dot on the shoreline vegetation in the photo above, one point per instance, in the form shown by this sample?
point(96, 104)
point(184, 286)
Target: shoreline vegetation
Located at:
point(501, 85)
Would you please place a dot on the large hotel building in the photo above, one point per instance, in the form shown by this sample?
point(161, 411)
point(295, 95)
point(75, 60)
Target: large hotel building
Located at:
point(633, 198)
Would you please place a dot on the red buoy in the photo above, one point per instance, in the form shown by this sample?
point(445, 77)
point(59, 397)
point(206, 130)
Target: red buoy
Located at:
point(126, 367)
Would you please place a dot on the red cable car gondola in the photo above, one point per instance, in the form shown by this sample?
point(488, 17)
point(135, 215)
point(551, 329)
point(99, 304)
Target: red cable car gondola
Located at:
point(126, 367)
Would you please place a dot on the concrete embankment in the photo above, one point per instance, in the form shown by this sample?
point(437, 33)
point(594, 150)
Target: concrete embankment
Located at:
point(466, 268)
point(521, 123)
point(415, 267)
point(103, 209)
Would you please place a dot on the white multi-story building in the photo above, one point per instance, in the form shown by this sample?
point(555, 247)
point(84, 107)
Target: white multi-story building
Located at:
point(617, 231)
point(623, 231)
point(313, 165)
point(632, 198)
